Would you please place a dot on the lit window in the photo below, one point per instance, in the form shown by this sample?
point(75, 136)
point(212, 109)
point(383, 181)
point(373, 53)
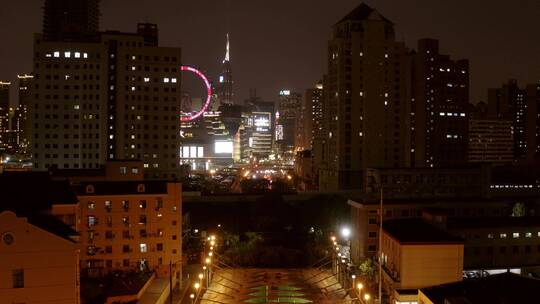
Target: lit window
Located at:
point(132, 88)
point(143, 247)
point(502, 235)
point(133, 68)
point(528, 235)
point(85, 55)
point(490, 235)
point(76, 107)
point(146, 79)
point(67, 54)
point(133, 57)
point(145, 165)
point(166, 80)
point(173, 80)
point(515, 235)
point(48, 55)
point(91, 221)
point(56, 54)
point(77, 54)
point(200, 152)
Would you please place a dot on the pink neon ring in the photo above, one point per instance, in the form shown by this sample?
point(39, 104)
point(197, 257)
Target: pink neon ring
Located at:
point(208, 92)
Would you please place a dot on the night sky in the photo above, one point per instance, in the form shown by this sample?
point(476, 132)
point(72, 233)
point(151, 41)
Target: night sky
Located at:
point(282, 43)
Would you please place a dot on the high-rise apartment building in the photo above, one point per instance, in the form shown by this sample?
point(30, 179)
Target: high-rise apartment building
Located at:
point(4, 114)
point(19, 119)
point(521, 106)
point(70, 20)
point(509, 102)
point(288, 108)
point(309, 118)
point(533, 122)
point(439, 121)
point(367, 100)
point(117, 98)
point(490, 140)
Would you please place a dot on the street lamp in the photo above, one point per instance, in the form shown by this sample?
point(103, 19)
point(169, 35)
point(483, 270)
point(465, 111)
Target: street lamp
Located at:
point(367, 297)
point(346, 232)
point(359, 286)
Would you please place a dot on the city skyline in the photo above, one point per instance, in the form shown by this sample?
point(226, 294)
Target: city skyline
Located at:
point(281, 40)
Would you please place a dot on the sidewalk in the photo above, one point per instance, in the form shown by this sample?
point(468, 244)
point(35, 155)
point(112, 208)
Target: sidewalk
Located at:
point(155, 294)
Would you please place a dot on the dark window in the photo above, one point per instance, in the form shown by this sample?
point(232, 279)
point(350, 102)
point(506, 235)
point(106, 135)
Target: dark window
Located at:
point(18, 278)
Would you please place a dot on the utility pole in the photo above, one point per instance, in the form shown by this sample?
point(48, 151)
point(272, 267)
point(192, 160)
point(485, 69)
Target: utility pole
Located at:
point(380, 245)
point(170, 282)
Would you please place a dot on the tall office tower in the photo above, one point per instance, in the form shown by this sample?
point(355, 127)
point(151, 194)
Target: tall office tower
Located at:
point(225, 89)
point(71, 20)
point(309, 119)
point(533, 122)
point(117, 98)
point(288, 108)
point(367, 99)
point(440, 99)
point(4, 115)
point(509, 102)
point(257, 137)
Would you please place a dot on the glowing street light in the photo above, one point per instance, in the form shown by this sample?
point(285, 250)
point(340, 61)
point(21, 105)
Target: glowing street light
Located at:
point(196, 286)
point(333, 238)
point(367, 297)
point(201, 276)
point(346, 232)
point(207, 261)
point(360, 286)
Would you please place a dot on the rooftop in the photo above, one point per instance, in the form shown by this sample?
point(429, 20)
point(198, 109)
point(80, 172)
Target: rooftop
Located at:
point(417, 231)
point(507, 288)
point(493, 222)
point(121, 187)
point(362, 12)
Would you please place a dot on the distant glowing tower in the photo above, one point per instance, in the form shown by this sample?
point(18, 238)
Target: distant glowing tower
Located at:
point(225, 79)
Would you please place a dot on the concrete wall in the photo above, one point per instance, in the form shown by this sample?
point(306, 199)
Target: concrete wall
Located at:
point(427, 265)
point(50, 264)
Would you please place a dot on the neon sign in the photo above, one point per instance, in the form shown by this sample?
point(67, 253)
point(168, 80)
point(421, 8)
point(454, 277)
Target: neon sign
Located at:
point(208, 93)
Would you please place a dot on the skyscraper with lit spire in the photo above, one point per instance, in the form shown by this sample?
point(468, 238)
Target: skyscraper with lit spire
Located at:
point(225, 79)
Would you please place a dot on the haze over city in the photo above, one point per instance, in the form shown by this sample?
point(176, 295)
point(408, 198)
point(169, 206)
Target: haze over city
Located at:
point(291, 36)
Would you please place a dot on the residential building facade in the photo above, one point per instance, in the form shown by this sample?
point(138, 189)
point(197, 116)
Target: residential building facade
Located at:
point(366, 100)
